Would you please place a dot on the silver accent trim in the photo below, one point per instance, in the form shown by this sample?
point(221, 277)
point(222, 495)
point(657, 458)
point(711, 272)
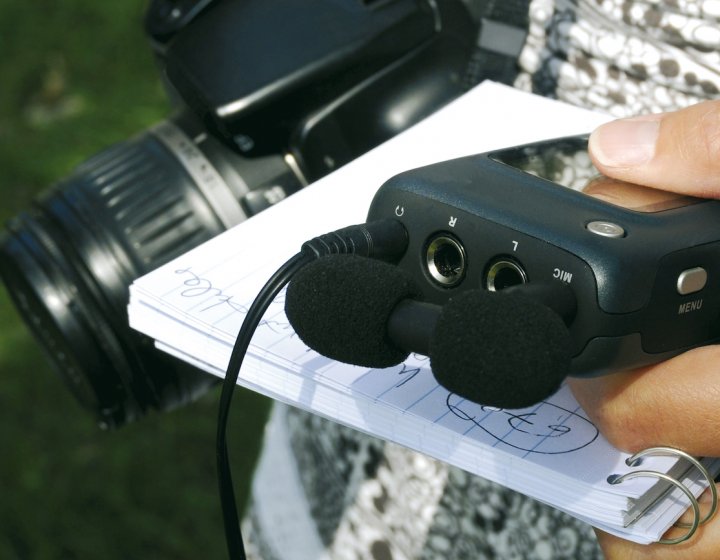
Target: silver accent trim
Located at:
point(207, 178)
point(501, 38)
point(445, 260)
point(295, 168)
point(500, 266)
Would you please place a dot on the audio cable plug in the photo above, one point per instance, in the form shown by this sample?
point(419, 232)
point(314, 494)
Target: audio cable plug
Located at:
point(383, 239)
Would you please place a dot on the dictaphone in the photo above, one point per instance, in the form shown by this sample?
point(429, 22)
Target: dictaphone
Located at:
point(644, 264)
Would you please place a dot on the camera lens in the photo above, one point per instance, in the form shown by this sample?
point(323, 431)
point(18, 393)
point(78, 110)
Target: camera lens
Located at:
point(68, 261)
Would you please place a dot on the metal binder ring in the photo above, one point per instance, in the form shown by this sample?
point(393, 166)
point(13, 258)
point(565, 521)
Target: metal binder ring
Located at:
point(672, 452)
point(693, 502)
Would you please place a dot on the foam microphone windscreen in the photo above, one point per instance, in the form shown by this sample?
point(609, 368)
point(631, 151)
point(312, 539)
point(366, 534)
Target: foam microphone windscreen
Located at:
point(340, 306)
point(503, 350)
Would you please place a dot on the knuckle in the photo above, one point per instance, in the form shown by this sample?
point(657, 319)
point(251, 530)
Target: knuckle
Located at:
point(627, 421)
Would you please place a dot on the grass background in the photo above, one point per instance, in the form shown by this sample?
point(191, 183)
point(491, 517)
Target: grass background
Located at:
point(75, 77)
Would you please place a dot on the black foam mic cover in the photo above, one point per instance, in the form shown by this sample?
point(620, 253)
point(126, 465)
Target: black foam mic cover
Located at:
point(340, 306)
point(500, 349)
point(508, 349)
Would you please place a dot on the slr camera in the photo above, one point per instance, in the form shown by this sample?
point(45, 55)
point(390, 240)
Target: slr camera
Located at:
point(267, 96)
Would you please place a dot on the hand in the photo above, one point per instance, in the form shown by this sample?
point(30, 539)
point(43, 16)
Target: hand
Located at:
point(676, 402)
point(678, 151)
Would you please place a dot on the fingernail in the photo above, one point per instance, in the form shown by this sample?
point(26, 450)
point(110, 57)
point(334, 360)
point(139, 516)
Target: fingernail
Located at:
point(625, 142)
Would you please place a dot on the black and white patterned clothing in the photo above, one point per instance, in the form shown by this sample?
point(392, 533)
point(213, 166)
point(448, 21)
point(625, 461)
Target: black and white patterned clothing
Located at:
point(324, 491)
point(623, 57)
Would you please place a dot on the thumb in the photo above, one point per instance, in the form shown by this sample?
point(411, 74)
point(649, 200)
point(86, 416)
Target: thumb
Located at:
point(677, 151)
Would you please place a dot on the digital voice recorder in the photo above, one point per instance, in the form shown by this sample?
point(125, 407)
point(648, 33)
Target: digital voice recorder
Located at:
point(644, 264)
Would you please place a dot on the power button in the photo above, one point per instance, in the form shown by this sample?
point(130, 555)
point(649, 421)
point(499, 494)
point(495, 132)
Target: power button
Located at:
point(691, 280)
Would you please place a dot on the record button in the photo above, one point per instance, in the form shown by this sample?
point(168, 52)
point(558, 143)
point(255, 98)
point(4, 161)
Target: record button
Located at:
point(691, 280)
point(606, 229)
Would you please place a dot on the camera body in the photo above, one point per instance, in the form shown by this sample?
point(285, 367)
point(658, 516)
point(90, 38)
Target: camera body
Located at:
point(268, 96)
point(323, 81)
point(642, 263)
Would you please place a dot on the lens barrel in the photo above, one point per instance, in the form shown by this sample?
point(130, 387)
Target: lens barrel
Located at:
point(68, 261)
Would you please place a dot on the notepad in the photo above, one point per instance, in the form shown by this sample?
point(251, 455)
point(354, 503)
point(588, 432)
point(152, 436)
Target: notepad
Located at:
point(193, 308)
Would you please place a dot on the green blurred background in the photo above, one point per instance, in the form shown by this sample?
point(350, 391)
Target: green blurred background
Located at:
point(75, 77)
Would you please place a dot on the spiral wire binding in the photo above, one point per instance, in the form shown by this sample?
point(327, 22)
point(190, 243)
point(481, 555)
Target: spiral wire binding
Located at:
point(693, 526)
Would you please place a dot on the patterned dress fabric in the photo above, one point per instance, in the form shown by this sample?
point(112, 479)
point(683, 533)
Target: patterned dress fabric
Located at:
point(324, 491)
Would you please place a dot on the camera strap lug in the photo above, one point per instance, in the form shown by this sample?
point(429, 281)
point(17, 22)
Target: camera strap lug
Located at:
point(502, 32)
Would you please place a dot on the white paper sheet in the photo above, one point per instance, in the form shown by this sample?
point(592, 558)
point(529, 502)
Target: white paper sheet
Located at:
point(194, 306)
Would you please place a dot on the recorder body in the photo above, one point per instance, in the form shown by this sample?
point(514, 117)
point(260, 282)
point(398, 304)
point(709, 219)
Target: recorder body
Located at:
point(644, 264)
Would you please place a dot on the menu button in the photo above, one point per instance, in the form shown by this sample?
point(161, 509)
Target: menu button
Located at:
point(691, 280)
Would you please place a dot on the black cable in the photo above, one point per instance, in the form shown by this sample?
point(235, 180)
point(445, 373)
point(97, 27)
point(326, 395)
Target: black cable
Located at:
point(384, 239)
point(265, 297)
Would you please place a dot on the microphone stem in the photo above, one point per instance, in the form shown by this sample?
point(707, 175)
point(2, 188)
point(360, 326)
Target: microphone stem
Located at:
point(556, 295)
point(412, 324)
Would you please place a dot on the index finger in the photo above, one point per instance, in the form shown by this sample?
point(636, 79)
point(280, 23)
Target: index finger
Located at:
point(673, 403)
